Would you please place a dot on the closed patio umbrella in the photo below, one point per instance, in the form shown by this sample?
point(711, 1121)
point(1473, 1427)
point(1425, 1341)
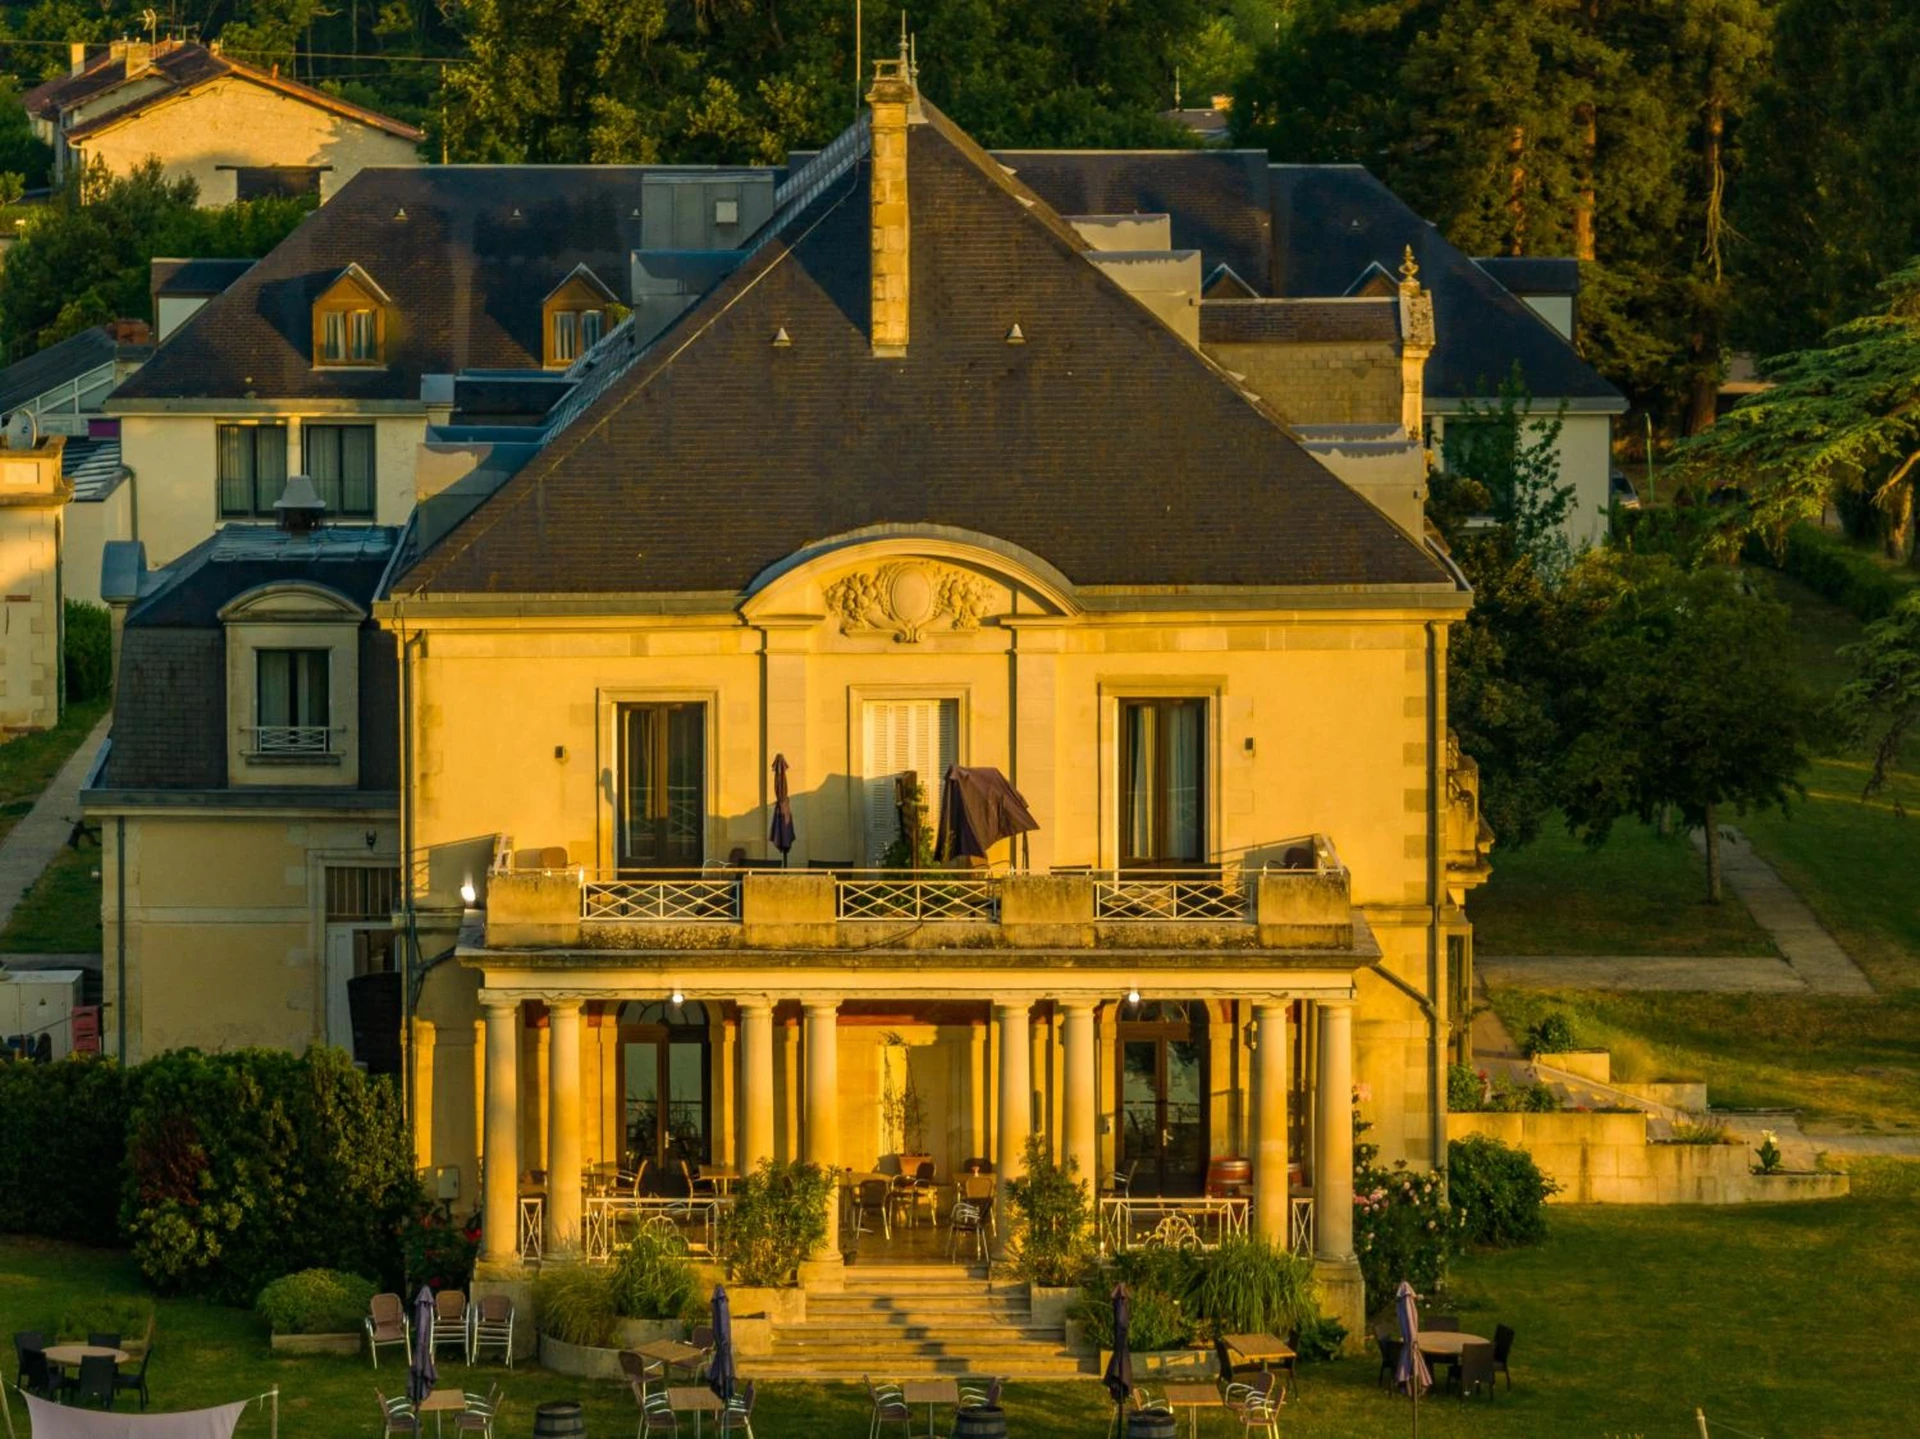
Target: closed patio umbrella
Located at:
point(720, 1371)
point(978, 808)
point(1411, 1371)
point(422, 1376)
point(1119, 1375)
point(781, 831)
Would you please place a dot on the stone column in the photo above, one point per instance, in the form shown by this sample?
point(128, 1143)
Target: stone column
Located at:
point(976, 1091)
point(1016, 1088)
point(563, 1128)
point(1336, 1270)
point(613, 1104)
point(789, 1131)
point(479, 1091)
point(500, 1202)
point(1081, 1130)
point(822, 1132)
point(727, 1075)
point(1270, 1141)
point(756, 1083)
point(423, 1046)
point(1041, 1102)
point(542, 1088)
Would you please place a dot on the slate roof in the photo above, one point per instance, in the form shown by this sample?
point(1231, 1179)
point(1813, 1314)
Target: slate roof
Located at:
point(1103, 443)
point(196, 277)
point(467, 277)
point(1533, 274)
point(1330, 222)
point(179, 70)
point(170, 709)
point(54, 366)
point(1253, 322)
point(93, 467)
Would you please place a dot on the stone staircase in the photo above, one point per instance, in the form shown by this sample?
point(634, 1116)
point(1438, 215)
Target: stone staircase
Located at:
point(910, 1321)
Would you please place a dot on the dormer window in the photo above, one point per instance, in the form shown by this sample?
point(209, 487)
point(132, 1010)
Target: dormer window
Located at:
point(350, 321)
point(293, 685)
point(573, 318)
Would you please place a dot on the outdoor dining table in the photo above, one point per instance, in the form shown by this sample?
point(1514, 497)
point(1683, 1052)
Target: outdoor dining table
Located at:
point(674, 1353)
point(1261, 1349)
point(1447, 1343)
point(694, 1399)
point(724, 1177)
point(931, 1392)
point(1193, 1398)
point(70, 1355)
point(440, 1402)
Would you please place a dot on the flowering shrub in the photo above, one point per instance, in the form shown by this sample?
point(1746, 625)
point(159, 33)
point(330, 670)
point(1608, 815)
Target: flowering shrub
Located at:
point(438, 1249)
point(1497, 1191)
point(1403, 1227)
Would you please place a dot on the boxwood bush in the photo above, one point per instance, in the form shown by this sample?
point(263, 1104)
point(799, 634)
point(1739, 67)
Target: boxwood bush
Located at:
point(1834, 569)
point(1498, 1194)
point(63, 1136)
point(316, 1301)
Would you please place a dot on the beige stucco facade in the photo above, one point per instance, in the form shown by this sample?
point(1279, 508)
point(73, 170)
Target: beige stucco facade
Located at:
point(33, 499)
point(205, 134)
point(1585, 453)
point(173, 457)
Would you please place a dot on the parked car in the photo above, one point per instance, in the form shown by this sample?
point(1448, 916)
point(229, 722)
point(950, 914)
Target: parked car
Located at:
point(1620, 491)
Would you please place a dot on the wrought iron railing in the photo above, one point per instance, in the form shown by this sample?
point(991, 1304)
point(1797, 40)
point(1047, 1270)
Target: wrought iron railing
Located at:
point(533, 1225)
point(609, 1220)
point(695, 899)
point(1300, 1223)
point(1177, 896)
point(292, 739)
point(916, 896)
point(1131, 1223)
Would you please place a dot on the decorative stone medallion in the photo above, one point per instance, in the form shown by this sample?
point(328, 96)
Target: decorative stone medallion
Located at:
point(905, 597)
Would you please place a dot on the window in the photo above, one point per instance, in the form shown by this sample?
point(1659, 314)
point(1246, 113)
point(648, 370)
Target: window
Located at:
point(663, 768)
point(252, 465)
point(922, 735)
point(1162, 782)
point(340, 462)
point(291, 713)
point(350, 337)
point(350, 320)
point(260, 182)
point(574, 333)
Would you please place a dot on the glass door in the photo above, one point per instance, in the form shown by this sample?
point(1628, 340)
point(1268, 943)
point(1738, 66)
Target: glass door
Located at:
point(665, 1058)
point(1162, 1091)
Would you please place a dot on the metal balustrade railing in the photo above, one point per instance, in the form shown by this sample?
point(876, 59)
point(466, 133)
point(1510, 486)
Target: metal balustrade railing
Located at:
point(292, 739)
point(609, 1220)
point(695, 899)
point(1176, 896)
point(1127, 1222)
point(916, 896)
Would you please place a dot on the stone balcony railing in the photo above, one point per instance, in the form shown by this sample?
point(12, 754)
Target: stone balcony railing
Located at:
point(1304, 907)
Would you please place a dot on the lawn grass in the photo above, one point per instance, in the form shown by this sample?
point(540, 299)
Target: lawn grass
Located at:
point(29, 761)
point(1628, 1318)
point(1851, 1063)
point(60, 914)
point(1640, 893)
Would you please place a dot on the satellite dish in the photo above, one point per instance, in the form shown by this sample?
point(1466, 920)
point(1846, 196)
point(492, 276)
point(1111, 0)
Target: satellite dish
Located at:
point(22, 430)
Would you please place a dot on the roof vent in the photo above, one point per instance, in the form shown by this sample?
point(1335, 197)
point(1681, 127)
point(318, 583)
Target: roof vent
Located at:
point(1016, 336)
point(401, 213)
point(299, 508)
point(781, 339)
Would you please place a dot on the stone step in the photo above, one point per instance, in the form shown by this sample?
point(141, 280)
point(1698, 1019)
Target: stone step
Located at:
point(908, 1328)
point(813, 1367)
point(855, 1304)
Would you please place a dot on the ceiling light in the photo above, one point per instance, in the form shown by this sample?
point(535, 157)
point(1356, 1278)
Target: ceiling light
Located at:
point(1133, 996)
point(678, 997)
point(466, 892)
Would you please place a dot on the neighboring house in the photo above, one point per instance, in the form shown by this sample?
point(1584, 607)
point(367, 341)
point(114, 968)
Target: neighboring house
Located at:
point(333, 354)
point(237, 132)
point(180, 286)
point(928, 477)
point(63, 387)
point(248, 798)
point(33, 502)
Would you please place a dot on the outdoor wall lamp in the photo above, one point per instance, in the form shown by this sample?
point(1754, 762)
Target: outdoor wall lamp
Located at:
point(467, 892)
point(678, 997)
point(1133, 996)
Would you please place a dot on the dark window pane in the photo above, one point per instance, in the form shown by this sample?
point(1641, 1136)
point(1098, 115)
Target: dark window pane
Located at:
point(340, 463)
point(1163, 781)
point(663, 786)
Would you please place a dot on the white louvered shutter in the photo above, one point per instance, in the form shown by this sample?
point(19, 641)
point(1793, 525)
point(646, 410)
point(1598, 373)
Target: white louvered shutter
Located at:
point(918, 735)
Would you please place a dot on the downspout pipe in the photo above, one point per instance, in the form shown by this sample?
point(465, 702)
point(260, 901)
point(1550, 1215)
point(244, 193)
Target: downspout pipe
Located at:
point(120, 927)
point(411, 972)
point(1436, 887)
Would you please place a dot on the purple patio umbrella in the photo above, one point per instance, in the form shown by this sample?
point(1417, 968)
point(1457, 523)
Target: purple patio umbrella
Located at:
point(1411, 1371)
point(1119, 1375)
point(720, 1372)
point(422, 1376)
point(781, 831)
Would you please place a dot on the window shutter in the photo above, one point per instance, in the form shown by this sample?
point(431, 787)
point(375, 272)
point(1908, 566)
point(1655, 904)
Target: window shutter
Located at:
point(901, 735)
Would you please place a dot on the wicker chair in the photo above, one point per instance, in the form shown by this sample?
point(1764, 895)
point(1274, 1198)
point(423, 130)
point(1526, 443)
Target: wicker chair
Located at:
point(449, 1321)
point(889, 1407)
point(387, 1323)
point(492, 1328)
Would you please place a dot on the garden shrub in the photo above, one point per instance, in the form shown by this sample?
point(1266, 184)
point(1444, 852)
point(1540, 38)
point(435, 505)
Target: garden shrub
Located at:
point(1709, 1131)
point(242, 1167)
point(1498, 1194)
point(88, 652)
point(1403, 1227)
point(436, 1249)
point(1551, 1034)
point(777, 1219)
point(1834, 569)
point(63, 1135)
point(652, 1277)
point(1157, 1319)
point(1052, 1212)
point(1464, 1088)
point(574, 1304)
point(316, 1301)
point(1250, 1286)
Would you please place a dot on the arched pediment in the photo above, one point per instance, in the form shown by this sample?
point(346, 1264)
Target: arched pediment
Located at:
point(291, 602)
point(908, 583)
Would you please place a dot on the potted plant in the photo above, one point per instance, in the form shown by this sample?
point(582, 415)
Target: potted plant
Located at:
point(317, 1311)
point(1051, 1209)
point(903, 1112)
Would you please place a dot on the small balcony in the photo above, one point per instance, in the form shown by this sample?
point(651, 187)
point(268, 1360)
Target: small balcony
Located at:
point(292, 744)
point(1303, 904)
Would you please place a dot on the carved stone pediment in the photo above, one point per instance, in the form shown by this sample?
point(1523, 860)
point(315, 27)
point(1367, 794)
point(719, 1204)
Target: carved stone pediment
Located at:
point(908, 599)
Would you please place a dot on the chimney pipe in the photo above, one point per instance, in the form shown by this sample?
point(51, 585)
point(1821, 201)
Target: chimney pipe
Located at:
point(894, 105)
point(77, 57)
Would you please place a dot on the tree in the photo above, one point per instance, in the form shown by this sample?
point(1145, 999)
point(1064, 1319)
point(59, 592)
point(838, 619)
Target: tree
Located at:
point(1842, 420)
point(1685, 698)
point(1882, 700)
point(1821, 219)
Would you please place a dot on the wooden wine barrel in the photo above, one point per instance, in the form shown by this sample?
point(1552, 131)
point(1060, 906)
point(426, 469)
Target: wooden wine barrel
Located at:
point(561, 1419)
point(1227, 1175)
point(983, 1421)
point(1153, 1424)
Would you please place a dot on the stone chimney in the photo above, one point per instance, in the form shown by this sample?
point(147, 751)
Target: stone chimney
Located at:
point(76, 57)
point(895, 105)
point(1416, 344)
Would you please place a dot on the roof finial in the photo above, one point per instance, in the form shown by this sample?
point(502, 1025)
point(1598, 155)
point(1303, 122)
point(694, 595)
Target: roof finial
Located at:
point(905, 51)
point(1409, 268)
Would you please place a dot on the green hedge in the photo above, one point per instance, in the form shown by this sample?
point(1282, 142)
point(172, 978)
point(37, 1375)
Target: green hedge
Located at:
point(316, 1301)
point(63, 1135)
point(89, 652)
point(1828, 565)
point(246, 1166)
point(1498, 1194)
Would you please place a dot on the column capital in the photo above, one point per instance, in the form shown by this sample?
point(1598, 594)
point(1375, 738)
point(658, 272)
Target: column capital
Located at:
point(500, 999)
point(1343, 1002)
point(1272, 1006)
point(821, 1004)
point(563, 1003)
point(1016, 1007)
point(756, 1004)
point(1079, 1006)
